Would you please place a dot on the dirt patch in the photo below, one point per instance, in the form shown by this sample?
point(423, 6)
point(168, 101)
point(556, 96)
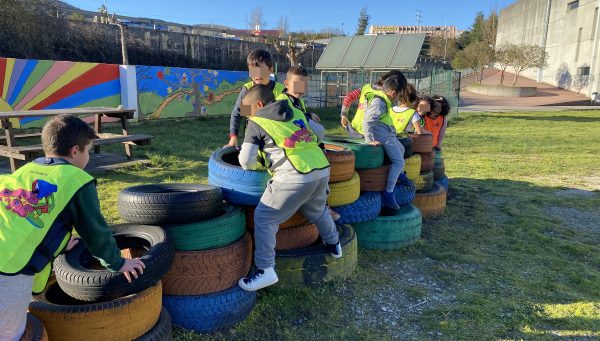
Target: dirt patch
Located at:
point(587, 221)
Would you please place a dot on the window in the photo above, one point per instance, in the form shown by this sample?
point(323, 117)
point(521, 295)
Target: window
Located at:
point(572, 5)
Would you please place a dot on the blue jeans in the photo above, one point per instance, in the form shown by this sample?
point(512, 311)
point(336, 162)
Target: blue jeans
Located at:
point(395, 152)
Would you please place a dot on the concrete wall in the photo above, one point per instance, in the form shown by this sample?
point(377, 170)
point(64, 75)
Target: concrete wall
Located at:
point(524, 22)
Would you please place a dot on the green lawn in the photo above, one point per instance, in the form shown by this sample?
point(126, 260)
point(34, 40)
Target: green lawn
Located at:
point(516, 256)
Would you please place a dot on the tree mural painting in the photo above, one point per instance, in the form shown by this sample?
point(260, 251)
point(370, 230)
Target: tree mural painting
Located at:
point(180, 92)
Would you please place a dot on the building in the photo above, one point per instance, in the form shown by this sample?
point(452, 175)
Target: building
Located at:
point(441, 31)
point(567, 29)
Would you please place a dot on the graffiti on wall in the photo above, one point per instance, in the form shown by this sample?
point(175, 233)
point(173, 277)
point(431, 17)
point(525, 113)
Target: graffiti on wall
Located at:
point(179, 92)
point(45, 84)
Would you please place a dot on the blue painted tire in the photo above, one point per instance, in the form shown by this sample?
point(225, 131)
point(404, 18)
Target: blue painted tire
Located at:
point(367, 207)
point(212, 312)
point(240, 187)
point(404, 191)
point(443, 182)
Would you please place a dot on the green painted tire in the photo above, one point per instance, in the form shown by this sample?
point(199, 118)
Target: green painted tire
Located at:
point(391, 232)
point(209, 234)
point(311, 266)
point(367, 156)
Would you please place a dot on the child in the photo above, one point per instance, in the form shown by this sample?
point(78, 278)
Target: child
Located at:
point(41, 202)
point(404, 113)
point(378, 129)
point(280, 134)
point(418, 122)
point(436, 121)
point(260, 66)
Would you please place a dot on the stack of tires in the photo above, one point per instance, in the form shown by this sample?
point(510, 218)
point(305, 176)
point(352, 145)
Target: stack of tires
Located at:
point(439, 170)
point(212, 252)
point(377, 229)
point(430, 197)
point(85, 301)
point(301, 258)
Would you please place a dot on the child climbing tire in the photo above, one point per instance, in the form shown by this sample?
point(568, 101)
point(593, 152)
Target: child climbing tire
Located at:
point(345, 192)
point(34, 330)
point(313, 265)
point(240, 187)
point(424, 182)
point(390, 232)
point(367, 207)
point(427, 161)
point(373, 180)
point(208, 271)
point(213, 312)
point(123, 319)
point(341, 162)
point(366, 155)
point(431, 203)
point(422, 143)
point(412, 167)
point(80, 275)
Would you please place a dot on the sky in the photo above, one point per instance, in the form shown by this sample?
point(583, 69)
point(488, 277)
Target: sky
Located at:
point(304, 14)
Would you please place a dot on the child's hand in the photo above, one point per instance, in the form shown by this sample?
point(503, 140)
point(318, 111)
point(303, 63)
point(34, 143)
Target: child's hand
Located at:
point(315, 117)
point(131, 268)
point(345, 121)
point(71, 243)
point(232, 142)
point(375, 143)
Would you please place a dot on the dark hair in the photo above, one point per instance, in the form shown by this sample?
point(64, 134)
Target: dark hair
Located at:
point(425, 98)
point(388, 75)
point(63, 132)
point(409, 96)
point(297, 70)
point(256, 57)
point(445, 104)
point(260, 92)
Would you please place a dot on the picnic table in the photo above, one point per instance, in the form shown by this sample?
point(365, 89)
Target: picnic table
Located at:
point(18, 154)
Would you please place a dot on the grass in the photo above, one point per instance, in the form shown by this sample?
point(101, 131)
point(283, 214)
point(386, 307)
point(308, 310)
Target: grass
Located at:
point(516, 256)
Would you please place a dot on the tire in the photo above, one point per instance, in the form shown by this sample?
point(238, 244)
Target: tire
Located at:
point(344, 193)
point(404, 191)
point(375, 179)
point(296, 237)
point(311, 266)
point(439, 170)
point(296, 220)
point(366, 155)
point(425, 182)
point(123, 319)
point(169, 203)
point(427, 161)
point(438, 155)
point(34, 330)
point(212, 312)
point(444, 182)
point(162, 330)
point(209, 234)
point(422, 143)
point(431, 203)
point(367, 207)
point(407, 143)
point(80, 276)
point(240, 187)
point(341, 161)
point(208, 271)
point(412, 167)
point(391, 232)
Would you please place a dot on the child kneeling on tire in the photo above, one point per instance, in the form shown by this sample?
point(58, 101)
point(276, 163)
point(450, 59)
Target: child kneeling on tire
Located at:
point(40, 204)
point(281, 136)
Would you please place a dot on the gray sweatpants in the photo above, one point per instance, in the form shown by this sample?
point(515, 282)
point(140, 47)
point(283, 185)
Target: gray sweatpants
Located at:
point(15, 294)
point(279, 202)
point(395, 152)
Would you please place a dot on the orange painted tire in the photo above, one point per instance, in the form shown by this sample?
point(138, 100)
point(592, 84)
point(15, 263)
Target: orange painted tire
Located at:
point(341, 160)
point(296, 237)
point(422, 143)
point(431, 203)
point(427, 161)
point(373, 180)
point(204, 272)
point(296, 220)
point(123, 319)
point(34, 330)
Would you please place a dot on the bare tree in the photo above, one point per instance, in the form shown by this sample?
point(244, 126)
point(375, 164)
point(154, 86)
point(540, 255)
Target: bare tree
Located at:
point(283, 26)
point(476, 56)
point(442, 47)
point(256, 19)
point(503, 57)
point(526, 57)
point(291, 49)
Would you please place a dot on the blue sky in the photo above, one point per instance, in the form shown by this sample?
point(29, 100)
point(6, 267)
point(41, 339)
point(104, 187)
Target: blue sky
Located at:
point(304, 14)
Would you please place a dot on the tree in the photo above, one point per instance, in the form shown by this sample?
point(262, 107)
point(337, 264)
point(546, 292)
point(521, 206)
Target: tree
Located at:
point(77, 16)
point(363, 22)
point(442, 47)
point(477, 56)
point(283, 25)
point(291, 49)
point(526, 57)
point(256, 19)
point(483, 29)
point(503, 56)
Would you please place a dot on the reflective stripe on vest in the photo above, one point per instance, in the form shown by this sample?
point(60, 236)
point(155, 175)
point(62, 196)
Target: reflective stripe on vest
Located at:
point(296, 139)
point(31, 201)
point(278, 88)
point(291, 101)
point(367, 94)
point(402, 119)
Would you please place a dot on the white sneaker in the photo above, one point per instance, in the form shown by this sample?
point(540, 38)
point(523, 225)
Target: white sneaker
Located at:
point(262, 278)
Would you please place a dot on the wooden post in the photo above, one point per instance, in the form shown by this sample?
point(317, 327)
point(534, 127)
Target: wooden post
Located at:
point(125, 127)
point(98, 128)
point(10, 141)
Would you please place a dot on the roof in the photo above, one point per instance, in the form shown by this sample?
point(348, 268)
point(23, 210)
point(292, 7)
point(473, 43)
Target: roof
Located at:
point(381, 52)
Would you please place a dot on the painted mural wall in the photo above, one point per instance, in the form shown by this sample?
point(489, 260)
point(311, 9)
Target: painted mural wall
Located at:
point(46, 84)
point(178, 92)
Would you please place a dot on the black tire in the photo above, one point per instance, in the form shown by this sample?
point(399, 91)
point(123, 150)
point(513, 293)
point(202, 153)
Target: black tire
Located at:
point(407, 143)
point(439, 170)
point(312, 266)
point(169, 203)
point(367, 207)
point(34, 330)
point(425, 182)
point(162, 330)
point(77, 278)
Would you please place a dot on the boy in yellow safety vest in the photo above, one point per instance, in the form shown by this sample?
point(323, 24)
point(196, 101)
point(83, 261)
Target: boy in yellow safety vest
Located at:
point(260, 66)
point(39, 206)
point(281, 135)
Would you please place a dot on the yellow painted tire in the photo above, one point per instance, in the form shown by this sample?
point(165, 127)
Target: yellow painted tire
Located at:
point(345, 192)
point(123, 319)
point(431, 203)
point(412, 167)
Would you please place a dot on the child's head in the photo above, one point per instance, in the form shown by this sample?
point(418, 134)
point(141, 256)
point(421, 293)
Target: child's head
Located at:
point(257, 97)
point(388, 75)
point(260, 66)
point(425, 104)
point(409, 97)
point(296, 81)
point(440, 106)
point(67, 136)
point(395, 86)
